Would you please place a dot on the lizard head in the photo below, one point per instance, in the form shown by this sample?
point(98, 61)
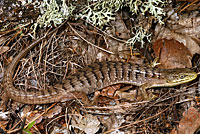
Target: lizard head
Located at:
point(178, 76)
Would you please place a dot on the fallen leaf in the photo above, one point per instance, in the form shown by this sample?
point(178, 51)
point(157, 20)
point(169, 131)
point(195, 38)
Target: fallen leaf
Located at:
point(172, 54)
point(113, 122)
point(57, 130)
point(89, 123)
point(110, 90)
point(53, 112)
point(120, 31)
point(190, 42)
point(32, 116)
point(189, 122)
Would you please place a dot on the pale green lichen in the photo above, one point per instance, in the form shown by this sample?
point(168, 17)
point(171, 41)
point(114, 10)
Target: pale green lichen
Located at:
point(139, 36)
point(153, 7)
point(134, 6)
point(100, 13)
point(97, 18)
point(52, 13)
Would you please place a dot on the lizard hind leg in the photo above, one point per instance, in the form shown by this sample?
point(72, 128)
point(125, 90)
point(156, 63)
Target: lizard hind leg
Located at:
point(76, 95)
point(70, 95)
point(145, 95)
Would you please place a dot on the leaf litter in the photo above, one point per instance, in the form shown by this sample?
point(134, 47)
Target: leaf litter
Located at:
point(77, 45)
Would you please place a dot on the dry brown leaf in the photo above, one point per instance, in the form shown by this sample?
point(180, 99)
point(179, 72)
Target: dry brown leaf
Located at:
point(120, 28)
point(57, 130)
point(89, 123)
point(113, 122)
point(189, 123)
point(119, 31)
point(191, 42)
point(189, 26)
point(33, 115)
point(52, 112)
point(172, 54)
point(131, 95)
point(110, 91)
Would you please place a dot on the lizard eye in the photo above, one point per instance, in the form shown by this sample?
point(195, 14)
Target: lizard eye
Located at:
point(182, 76)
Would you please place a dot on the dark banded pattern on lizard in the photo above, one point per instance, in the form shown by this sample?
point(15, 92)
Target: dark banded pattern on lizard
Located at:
point(95, 77)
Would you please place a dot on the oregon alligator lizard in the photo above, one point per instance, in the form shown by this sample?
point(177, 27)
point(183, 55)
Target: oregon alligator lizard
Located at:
point(95, 77)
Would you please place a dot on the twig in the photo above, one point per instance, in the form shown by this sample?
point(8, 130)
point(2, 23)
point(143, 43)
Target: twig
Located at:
point(88, 41)
point(136, 122)
point(188, 5)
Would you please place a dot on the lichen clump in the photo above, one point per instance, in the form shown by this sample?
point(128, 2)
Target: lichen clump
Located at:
point(139, 36)
point(95, 12)
point(99, 13)
point(52, 13)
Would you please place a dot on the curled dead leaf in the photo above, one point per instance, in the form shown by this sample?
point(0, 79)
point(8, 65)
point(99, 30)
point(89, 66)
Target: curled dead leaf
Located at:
point(89, 123)
point(189, 40)
point(190, 121)
point(172, 54)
